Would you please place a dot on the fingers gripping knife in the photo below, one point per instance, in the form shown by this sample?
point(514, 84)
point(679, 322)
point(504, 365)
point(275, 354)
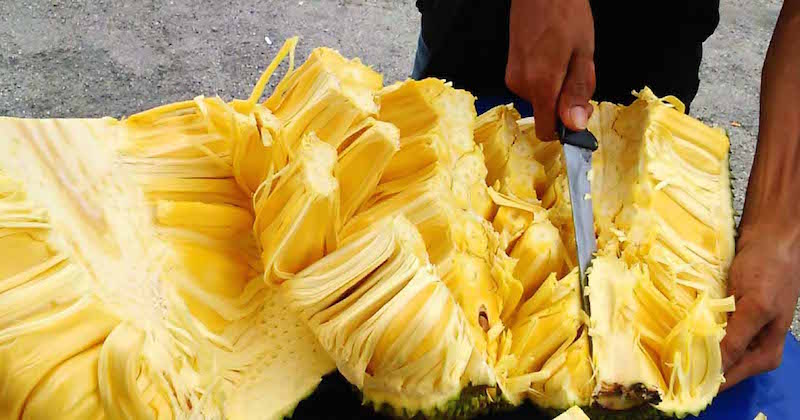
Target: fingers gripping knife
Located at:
point(578, 147)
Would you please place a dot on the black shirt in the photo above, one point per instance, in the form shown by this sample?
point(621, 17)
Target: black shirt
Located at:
point(637, 43)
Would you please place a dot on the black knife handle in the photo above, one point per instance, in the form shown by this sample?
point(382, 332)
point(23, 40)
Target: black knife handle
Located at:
point(583, 138)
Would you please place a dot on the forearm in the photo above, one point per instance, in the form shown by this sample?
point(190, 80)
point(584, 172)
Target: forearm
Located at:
point(773, 194)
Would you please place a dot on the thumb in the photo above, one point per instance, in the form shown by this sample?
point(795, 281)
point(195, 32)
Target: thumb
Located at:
point(578, 88)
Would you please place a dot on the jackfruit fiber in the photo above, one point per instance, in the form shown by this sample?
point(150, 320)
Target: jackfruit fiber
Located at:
point(395, 330)
point(213, 259)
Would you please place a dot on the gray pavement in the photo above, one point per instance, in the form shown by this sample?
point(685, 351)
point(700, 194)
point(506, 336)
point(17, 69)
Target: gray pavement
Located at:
point(64, 58)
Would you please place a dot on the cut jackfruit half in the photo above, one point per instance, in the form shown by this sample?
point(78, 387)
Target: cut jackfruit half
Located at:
point(666, 242)
point(661, 196)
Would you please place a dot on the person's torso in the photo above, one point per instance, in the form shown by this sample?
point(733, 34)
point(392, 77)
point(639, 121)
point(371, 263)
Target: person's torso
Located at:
point(468, 39)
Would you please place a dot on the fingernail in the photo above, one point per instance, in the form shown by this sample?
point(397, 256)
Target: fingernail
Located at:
point(579, 117)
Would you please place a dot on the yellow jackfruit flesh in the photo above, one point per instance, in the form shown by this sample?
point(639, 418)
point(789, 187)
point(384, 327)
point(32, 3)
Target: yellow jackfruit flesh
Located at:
point(361, 164)
point(327, 95)
point(436, 124)
point(297, 217)
point(137, 291)
point(545, 355)
point(510, 157)
point(665, 229)
point(220, 277)
point(215, 259)
point(103, 270)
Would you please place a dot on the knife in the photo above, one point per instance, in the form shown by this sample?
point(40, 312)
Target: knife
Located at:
point(578, 147)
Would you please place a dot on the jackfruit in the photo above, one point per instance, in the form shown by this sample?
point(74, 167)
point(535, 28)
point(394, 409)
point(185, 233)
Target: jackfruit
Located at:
point(297, 222)
point(668, 252)
point(215, 259)
point(361, 164)
point(435, 123)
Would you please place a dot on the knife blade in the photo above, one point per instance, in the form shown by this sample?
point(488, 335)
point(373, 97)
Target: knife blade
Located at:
point(578, 147)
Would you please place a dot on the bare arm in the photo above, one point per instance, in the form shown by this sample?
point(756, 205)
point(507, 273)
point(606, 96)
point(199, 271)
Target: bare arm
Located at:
point(765, 275)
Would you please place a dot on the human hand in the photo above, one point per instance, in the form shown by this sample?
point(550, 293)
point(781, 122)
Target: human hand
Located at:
point(551, 61)
point(764, 279)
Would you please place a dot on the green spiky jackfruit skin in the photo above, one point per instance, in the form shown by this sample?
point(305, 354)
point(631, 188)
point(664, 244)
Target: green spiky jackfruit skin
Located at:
point(337, 398)
point(334, 398)
point(472, 402)
point(733, 194)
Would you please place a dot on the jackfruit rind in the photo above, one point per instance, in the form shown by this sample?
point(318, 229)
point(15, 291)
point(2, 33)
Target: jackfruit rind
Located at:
point(471, 402)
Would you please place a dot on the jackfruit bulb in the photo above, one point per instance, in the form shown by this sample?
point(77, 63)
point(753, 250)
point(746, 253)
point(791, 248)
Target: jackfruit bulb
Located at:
point(213, 259)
